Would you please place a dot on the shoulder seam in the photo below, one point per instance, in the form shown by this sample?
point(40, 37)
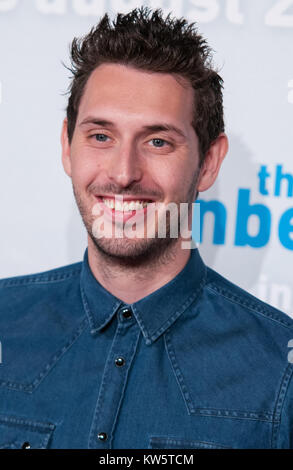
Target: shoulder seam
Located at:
point(38, 278)
point(254, 308)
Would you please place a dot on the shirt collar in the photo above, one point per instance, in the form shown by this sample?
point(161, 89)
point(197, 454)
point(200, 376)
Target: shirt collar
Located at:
point(155, 312)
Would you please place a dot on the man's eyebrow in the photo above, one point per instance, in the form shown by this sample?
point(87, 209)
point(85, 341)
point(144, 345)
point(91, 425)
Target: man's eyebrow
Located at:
point(165, 128)
point(97, 122)
point(160, 127)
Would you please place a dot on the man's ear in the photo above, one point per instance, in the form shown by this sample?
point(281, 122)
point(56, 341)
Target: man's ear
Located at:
point(212, 162)
point(66, 161)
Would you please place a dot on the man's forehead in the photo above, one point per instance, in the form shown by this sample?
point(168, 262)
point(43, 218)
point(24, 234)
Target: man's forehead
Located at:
point(130, 89)
point(118, 70)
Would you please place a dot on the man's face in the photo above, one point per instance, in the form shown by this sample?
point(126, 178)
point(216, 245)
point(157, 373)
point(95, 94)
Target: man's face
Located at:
point(134, 138)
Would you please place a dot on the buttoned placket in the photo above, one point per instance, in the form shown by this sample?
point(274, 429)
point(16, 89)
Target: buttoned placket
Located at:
point(114, 380)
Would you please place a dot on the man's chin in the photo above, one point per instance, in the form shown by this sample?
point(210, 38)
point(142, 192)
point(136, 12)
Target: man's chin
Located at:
point(132, 251)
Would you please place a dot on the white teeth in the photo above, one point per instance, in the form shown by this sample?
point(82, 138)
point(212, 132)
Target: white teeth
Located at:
point(125, 206)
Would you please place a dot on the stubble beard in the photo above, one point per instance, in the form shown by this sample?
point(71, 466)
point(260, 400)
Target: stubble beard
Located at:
point(134, 252)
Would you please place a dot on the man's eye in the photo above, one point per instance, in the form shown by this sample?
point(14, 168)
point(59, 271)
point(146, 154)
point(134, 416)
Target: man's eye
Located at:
point(101, 137)
point(159, 142)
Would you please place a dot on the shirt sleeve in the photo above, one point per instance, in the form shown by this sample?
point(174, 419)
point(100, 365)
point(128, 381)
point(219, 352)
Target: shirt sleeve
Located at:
point(285, 432)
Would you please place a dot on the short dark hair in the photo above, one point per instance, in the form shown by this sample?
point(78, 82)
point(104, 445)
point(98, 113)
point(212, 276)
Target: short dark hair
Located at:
point(144, 39)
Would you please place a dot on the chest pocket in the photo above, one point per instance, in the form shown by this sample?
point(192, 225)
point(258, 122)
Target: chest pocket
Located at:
point(20, 433)
point(180, 443)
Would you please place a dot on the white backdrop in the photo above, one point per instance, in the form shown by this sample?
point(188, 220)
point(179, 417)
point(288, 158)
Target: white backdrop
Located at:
point(248, 214)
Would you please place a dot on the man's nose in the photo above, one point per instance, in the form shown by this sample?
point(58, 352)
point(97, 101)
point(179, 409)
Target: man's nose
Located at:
point(125, 166)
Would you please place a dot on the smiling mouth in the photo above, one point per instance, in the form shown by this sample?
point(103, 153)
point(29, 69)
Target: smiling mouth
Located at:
point(121, 205)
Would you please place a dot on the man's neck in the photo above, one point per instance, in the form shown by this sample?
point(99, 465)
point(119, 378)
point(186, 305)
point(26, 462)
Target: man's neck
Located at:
point(133, 283)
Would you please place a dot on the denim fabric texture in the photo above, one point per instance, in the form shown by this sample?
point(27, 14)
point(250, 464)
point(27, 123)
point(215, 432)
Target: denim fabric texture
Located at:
point(199, 363)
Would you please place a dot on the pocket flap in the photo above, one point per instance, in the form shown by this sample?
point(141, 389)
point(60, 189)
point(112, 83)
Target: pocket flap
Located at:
point(182, 443)
point(21, 433)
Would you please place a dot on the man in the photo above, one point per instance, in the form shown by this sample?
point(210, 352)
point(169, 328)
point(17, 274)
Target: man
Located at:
point(141, 345)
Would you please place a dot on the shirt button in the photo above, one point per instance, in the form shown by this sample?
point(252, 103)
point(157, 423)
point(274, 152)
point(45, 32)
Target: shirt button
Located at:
point(102, 436)
point(26, 445)
point(119, 361)
point(126, 312)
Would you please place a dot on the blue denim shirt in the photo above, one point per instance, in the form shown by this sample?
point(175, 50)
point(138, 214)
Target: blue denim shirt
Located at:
point(199, 363)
